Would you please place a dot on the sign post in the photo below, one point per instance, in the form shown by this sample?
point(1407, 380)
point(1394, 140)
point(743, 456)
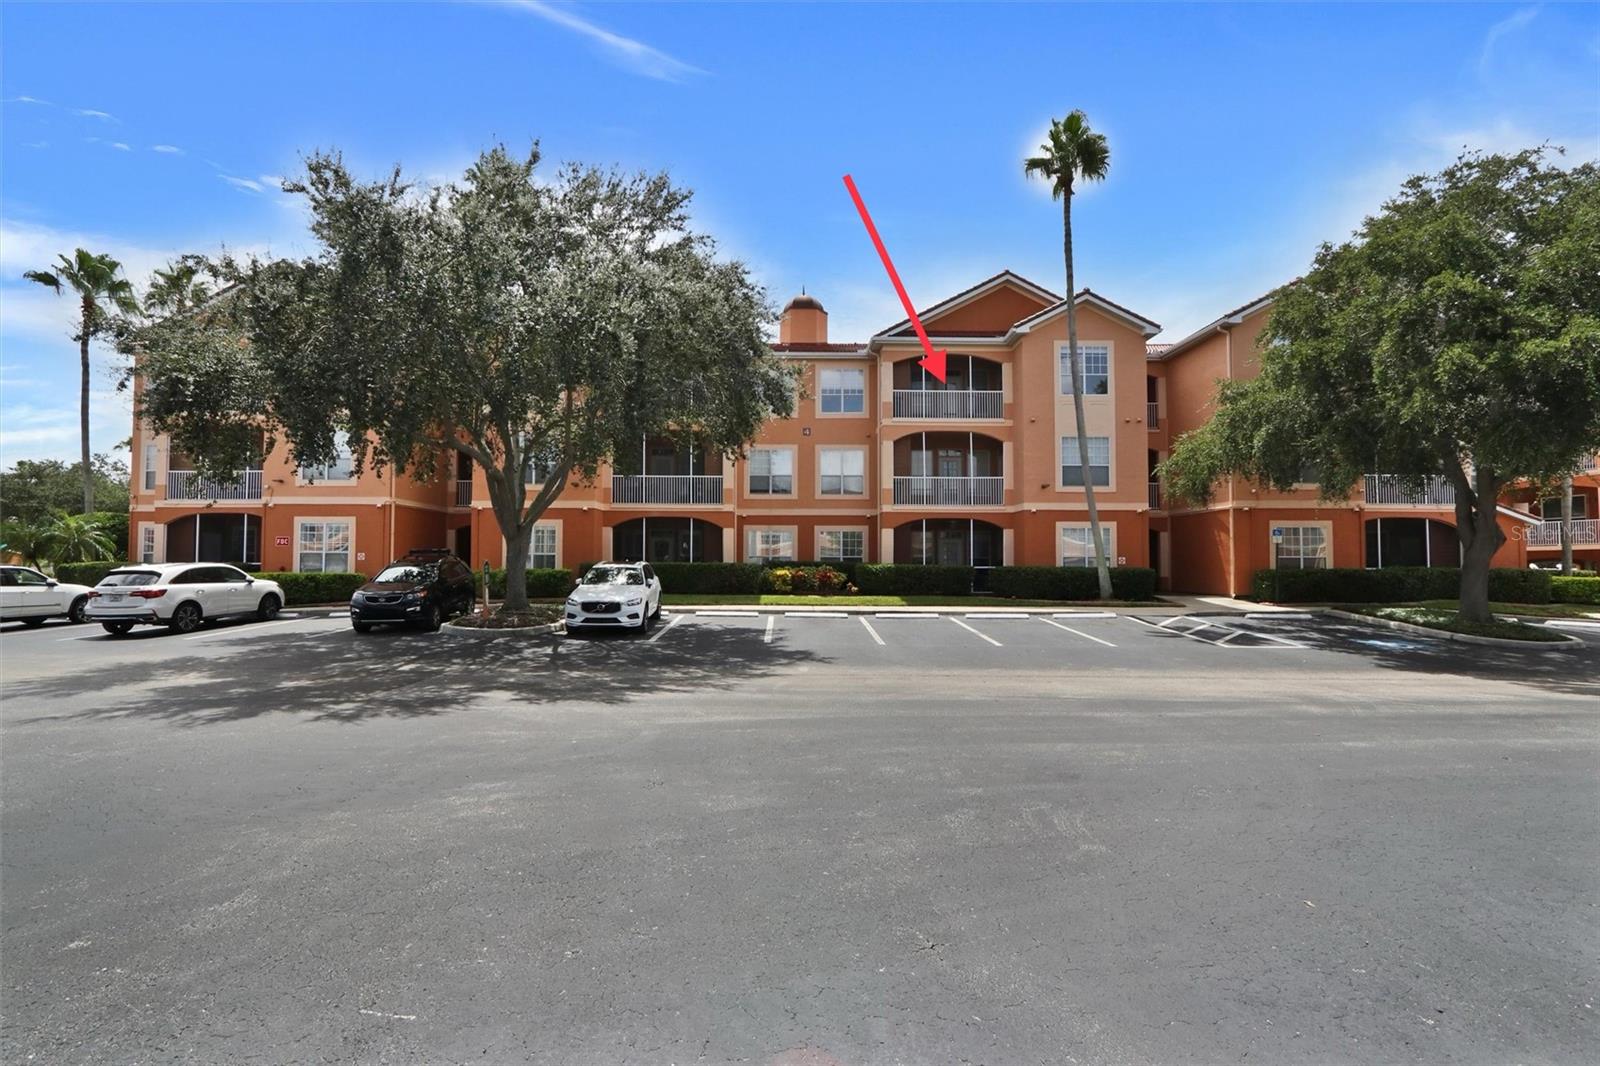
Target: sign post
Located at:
point(486, 586)
point(1277, 539)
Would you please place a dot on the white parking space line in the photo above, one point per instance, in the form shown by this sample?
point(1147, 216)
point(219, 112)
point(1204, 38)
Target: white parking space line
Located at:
point(728, 614)
point(232, 630)
point(1085, 614)
point(766, 638)
point(84, 636)
point(995, 614)
point(974, 632)
point(870, 630)
point(664, 630)
point(1572, 623)
point(906, 614)
point(1280, 616)
point(1196, 625)
point(815, 614)
point(1077, 632)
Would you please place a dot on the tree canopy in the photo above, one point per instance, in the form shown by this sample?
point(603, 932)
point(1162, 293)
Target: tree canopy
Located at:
point(527, 323)
point(1457, 335)
point(33, 489)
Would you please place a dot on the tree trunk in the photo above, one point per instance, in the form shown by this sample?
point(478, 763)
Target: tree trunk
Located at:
point(1075, 368)
point(1566, 526)
point(83, 408)
point(517, 569)
point(1478, 528)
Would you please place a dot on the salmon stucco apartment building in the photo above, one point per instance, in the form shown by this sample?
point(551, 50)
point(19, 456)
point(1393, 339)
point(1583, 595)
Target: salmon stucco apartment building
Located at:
point(880, 463)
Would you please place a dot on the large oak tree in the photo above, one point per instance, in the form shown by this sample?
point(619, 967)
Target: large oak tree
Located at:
point(529, 323)
point(1457, 335)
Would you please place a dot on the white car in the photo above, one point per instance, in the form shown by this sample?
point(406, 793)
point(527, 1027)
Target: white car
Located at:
point(181, 596)
point(616, 596)
point(29, 597)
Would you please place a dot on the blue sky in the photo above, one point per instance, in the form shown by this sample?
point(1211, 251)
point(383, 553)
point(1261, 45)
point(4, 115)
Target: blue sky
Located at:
point(1241, 136)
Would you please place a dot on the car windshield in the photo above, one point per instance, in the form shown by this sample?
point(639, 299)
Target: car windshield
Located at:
point(406, 573)
point(613, 575)
point(130, 577)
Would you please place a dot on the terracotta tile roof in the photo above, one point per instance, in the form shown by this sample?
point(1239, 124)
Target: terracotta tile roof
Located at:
point(910, 332)
point(815, 347)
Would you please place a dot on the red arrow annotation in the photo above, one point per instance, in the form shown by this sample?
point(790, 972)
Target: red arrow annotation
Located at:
point(932, 359)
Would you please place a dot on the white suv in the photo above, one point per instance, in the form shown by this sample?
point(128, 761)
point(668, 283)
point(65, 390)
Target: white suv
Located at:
point(29, 597)
point(180, 595)
point(615, 595)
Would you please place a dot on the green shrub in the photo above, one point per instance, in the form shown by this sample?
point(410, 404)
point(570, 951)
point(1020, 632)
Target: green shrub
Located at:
point(543, 583)
point(1575, 589)
point(1393, 584)
point(89, 574)
point(301, 589)
point(115, 526)
point(719, 579)
point(1070, 582)
point(888, 579)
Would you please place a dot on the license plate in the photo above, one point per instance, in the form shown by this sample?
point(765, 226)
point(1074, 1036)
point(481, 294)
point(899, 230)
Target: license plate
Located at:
point(115, 599)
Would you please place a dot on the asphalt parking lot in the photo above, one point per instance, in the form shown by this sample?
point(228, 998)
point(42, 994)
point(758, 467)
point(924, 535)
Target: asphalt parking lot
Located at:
point(799, 840)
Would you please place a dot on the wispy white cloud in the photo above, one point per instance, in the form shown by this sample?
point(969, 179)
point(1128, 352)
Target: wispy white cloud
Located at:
point(627, 52)
point(241, 183)
point(166, 149)
point(122, 146)
point(27, 100)
point(89, 112)
point(272, 181)
point(1512, 23)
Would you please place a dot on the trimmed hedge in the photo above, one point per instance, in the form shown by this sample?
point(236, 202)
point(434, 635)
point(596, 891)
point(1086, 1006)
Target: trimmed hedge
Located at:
point(300, 589)
point(1574, 589)
point(89, 574)
point(888, 579)
point(1394, 584)
point(1070, 582)
point(543, 582)
point(721, 579)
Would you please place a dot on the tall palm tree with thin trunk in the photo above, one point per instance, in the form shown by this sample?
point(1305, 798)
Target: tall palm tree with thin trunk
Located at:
point(1074, 152)
point(101, 292)
point(178, 288)
point(1566, 526)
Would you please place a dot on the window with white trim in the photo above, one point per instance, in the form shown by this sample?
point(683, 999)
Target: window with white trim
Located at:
point(1302, 548)
point(843, 391)
point(1077, 544)
point(769, 544)
point(150, 466)
point(147, 543)
point(542, 548)
point(1099, 461)
point(324, 545)
point(341, 469)
point(841, 545)
point(843, 471)
point(771, 471)
point(1095, 359)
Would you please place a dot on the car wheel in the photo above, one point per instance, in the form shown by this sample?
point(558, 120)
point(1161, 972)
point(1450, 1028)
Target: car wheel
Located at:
point(361, 627)
point(33, 623)
point(75, 613)
point(655, 615)
point(116, 629)
point(433, 619)
point(187, 618)
point(267, 609)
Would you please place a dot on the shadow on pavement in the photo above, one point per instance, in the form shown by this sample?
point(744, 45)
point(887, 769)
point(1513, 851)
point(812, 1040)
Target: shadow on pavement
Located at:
point(342, 677)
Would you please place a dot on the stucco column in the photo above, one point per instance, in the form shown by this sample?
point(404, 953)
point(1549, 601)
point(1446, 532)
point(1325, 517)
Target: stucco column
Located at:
point(1008, 471)
point(730, 544)
point(886, 546)
point(886, 470)
point(1008, 547)
point(885, 388)
point(605, 540)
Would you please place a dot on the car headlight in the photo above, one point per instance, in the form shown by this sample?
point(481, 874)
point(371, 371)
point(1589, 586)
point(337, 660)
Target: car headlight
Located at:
point(357, 597)
point(635, 601)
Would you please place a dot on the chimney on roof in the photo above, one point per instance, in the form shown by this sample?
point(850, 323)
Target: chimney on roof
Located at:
point(803, 321)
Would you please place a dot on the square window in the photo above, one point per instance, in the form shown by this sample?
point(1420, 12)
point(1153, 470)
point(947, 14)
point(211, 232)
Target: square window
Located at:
point(1095, 360)
point(542, 548)
point(1099, 461)
point(1077, 545)
point(341, 469)
point(842, 391)
point(843, 471)
point(324, 546)
point(841, 545)
point(1302, 548)
point(769, 544)
point(771, 471)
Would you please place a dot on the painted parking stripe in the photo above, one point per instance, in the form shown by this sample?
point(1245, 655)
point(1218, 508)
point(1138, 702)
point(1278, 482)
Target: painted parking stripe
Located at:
point(995, 614)
point(974, 632)
point(239, 629)
point(1280, 616)
point(1085, 614)
point(815, 614)
point(906, 614)
point(870, 630)
point(728, 614)
point(664, 630)
point(1572, 623)
point(84, 636)
point(1196, 626)
point(766, 638)
point(1078, 632)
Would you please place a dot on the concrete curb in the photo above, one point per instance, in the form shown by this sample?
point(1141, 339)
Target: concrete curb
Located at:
point(748, 609)
point(474, 633)
point(1566, 643)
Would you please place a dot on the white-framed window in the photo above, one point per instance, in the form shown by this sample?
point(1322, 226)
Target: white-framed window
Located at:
point(323, 544)
point(150, 452)
point(1550, 508)
point(147, 543)
point(843, 471)
point(841, 545)
point(542, 547)
point(1099, 461)
point(769, 543)
point(771, 471)
point(1302, 548)
point(1096, 362)
point(1077, 543)
point(843, 391)
point(341, 469)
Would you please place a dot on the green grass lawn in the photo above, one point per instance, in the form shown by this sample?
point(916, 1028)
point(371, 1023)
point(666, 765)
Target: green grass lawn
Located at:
point(1442, 615)
point(775, 600)
point(1529, 610)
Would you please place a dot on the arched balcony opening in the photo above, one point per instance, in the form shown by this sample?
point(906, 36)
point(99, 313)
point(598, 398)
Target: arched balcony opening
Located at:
point(973, 388)
point(948, 470)
point(1411, 542)
point(214, 537)
point(951, 542)
point(667, 540)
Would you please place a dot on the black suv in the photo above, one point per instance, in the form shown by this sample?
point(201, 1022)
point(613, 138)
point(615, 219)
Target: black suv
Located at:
point(421, 589)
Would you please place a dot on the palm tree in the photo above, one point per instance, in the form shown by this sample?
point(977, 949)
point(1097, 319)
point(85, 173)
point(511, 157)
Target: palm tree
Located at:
point(177, 288)
point(1566, 526)
point(27, 539)
point(1074, 151)
point(77, 538)
point(100, 291)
